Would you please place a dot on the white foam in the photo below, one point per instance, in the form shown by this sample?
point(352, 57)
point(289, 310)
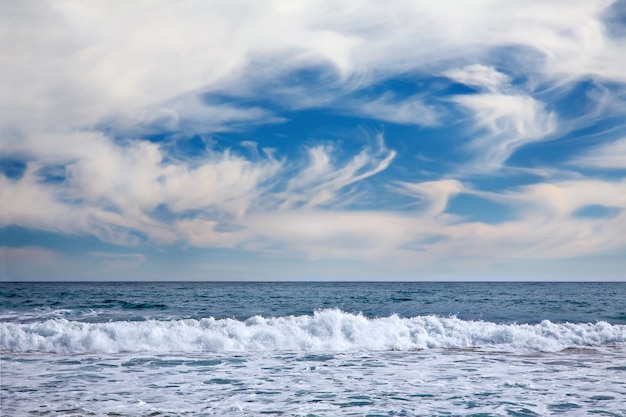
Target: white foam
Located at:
point(327, 330)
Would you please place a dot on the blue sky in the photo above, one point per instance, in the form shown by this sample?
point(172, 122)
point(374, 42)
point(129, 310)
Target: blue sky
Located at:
point(343, 140)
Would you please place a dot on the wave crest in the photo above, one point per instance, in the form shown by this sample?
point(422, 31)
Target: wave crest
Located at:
point(326, 330)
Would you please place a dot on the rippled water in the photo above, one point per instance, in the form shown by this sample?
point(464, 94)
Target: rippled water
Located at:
point(362, 349)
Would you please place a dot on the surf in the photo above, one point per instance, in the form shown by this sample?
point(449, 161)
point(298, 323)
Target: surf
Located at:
point(329, 330)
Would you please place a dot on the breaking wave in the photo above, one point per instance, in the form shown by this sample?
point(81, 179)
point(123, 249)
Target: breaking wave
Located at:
point(326, 330)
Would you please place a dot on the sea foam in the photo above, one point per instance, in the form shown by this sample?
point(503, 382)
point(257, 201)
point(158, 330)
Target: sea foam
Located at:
point(326, 330)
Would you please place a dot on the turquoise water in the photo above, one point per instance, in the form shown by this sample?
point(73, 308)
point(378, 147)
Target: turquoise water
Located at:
point(313, 349)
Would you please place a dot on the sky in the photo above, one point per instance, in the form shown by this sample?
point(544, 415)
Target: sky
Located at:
point(313, 140)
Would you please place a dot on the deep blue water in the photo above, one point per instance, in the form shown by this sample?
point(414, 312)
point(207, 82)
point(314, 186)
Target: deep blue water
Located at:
point(498, 302)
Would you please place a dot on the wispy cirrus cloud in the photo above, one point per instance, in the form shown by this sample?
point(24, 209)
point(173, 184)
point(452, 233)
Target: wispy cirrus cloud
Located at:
point(545, 226)
point(412, 110)
point(433, 195)
point(102, 99)
point(482, 76)
point(320, 181)
point(610, 155)
point(79, 48)
point(109, 189)
point(116, 190)
point(504, 117)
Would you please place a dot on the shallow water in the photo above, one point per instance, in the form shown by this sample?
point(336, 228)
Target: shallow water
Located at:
point(441, 382)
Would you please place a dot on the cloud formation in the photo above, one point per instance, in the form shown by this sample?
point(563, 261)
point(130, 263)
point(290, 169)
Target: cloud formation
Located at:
point(505, 119)
point(163, 125)
point(610, 155)
point(101, 59)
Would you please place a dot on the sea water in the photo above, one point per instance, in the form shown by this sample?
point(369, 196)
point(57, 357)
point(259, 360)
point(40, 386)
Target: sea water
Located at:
point(313, 349)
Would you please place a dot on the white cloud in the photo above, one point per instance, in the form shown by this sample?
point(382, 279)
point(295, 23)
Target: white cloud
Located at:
point(289, 220)
point(610, 155)
point(434, 195)
point(319, 182)
point(504, 123)
point(480, 76)
point(88, 61)
point(111, 188)
point(189, 114)
point(329, 234)
point(504, 118)
point(412, 110)
point(200, 232)
point(545, 226)
point(566, 197)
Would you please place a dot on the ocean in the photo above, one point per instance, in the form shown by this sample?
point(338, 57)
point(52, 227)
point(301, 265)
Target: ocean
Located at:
point(313, 349)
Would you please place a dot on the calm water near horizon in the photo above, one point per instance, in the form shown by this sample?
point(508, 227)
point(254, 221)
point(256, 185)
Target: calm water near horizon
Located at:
point(313, 349)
